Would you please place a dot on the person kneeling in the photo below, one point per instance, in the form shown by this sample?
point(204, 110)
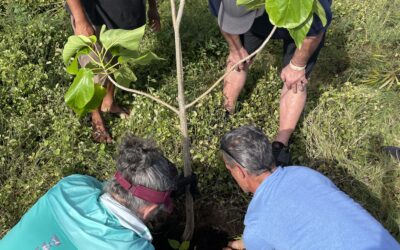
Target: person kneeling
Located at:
point(80, 212)
point(295, 207)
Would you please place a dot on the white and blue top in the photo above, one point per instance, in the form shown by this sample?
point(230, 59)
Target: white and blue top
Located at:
point(75, 214)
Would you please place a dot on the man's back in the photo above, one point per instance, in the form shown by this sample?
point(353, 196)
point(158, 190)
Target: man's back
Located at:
point(298, 208)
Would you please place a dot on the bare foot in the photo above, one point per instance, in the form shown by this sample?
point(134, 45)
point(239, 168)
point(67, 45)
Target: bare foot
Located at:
point(100, 133)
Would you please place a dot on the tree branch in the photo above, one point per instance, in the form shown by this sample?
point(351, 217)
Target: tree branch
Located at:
point(173, 109)
point(180, 13)
point(231, 69)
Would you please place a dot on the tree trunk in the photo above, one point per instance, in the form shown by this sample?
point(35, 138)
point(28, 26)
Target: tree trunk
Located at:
point(189, 227)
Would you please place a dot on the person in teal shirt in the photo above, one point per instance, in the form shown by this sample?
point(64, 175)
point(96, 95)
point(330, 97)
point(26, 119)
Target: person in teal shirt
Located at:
point(80, 212)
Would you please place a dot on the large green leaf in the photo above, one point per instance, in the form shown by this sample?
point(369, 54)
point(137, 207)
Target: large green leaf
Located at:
point(288, 14)
point(73, 68)
point(99, 93)
point(320, 11)
point(97, 99)
point(124, 76)
point(298, 34)
point(128, 39)
point(81, 91)
point(145, 59)
point(74, 45)
point(124, 54)
point(251, 4)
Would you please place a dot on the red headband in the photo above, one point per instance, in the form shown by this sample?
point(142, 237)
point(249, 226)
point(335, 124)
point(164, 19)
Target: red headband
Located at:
point(146, 193)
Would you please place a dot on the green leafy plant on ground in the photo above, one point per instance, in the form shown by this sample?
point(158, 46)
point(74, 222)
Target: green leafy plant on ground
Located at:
point(85, 95)
point(184, 245)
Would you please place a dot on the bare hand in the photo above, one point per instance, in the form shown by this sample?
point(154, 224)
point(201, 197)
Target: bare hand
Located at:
point(154, 19)
point(235, 245)
point(235, 56)
point(83, 28)
point(294, 79)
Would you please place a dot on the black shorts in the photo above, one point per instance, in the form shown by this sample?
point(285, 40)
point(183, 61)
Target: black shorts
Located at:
point(116, 14)
point(253, 39)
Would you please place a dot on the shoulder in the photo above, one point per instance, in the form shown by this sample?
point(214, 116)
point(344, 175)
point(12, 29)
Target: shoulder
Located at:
point(304, 172)
point(78, 181)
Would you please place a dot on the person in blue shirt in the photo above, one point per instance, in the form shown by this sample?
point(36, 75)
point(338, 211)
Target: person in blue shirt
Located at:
point(244, 32)
point(295, 207)
point(80, 212)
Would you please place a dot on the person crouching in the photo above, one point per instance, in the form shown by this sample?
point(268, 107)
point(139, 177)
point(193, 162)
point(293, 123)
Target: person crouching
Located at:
point(80, 212)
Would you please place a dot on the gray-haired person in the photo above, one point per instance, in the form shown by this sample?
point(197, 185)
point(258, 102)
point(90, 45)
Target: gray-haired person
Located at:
point(295, 207)
point(80, 212)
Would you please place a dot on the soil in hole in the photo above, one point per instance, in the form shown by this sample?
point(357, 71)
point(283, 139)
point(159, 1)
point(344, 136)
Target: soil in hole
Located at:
point(214, 227)
point(205, 238)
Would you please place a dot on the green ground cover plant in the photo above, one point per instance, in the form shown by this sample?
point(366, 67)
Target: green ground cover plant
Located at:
point(41, 139)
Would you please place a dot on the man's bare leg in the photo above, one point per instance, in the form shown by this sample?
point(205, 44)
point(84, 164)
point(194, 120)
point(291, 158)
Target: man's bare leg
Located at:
point(100, 133)
point(291, 107)
point(233, 85)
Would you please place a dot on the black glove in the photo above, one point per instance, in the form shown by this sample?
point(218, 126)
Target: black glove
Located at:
point(183, 182)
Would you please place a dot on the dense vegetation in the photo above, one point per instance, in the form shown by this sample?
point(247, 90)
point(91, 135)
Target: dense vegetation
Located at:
point(352, 111)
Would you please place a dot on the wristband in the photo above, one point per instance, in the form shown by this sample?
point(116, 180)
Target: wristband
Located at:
point(297, 68)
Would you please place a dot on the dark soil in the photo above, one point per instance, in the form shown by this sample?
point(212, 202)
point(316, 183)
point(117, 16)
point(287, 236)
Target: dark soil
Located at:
point(214, 227)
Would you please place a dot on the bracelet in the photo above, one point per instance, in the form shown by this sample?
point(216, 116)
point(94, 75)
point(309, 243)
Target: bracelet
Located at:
point(297, 68)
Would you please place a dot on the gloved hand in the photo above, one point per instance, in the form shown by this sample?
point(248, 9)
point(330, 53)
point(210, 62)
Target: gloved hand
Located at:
point(183, 182)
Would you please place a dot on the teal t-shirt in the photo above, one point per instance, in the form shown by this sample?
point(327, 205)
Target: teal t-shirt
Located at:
point(71, 216)
point(299, 208)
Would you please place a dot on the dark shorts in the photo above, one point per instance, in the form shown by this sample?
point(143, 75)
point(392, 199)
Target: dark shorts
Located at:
point(116, 14)
point(261, 28)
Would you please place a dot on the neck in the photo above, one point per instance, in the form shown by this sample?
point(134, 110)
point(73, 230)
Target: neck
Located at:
point(257, 180)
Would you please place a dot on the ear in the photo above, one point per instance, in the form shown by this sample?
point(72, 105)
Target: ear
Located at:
point(149, 210)
point(240, 171)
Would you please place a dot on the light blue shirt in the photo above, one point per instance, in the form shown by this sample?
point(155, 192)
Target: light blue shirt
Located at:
point(299, 208)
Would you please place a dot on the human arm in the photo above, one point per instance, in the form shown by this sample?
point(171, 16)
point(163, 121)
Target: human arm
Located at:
point(153, 15)
point(235, 245)
point(295, 78)
point(236, 50)
point(82, 24)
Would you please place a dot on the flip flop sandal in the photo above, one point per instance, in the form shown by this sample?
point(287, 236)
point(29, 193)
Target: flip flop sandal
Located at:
point(281, 154)
point(101, 137)
point(100, 134)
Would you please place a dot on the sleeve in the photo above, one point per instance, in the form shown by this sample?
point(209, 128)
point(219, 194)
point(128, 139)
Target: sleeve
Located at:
point(317, 26)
